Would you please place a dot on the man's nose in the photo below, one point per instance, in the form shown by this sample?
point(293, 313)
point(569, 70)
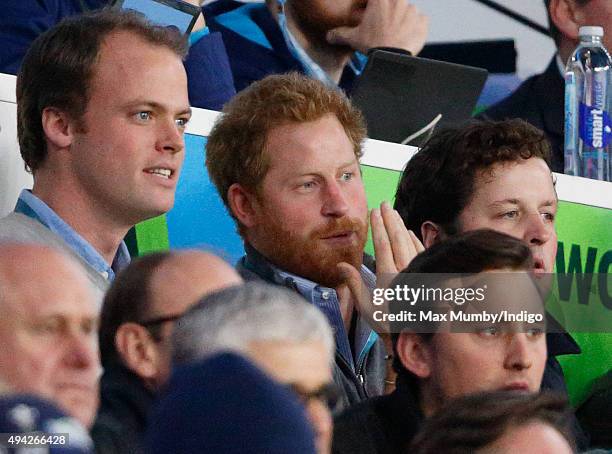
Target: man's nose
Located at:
point(81, 351)
point(518, 354)
point(335, 203)
point(170, 137)
point(537, 230)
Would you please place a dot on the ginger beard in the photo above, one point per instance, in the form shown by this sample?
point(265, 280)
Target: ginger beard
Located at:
point(315, 21)
point(313, 257)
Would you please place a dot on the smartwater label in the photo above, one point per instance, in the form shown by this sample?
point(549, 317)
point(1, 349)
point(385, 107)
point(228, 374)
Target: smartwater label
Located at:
point(595, 126)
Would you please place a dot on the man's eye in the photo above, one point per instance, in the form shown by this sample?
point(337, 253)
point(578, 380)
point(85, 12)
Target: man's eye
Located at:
point(346, 176)
point(89, 327)
point(47, 327)
point(143, 116)
point(510, 214)
point(550, 217)
point(488, 331)
point(535, 332)
point(182, 122)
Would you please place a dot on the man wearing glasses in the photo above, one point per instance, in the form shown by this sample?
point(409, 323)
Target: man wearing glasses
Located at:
point(280, 332)
point(136, 323)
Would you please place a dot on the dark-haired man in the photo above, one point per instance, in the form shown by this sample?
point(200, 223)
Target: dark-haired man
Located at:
point(102, 108)
point(316, 37)
point(435, 366)
point(488, 175)
point(500, 423)
point(539, 100)
point(136, 324)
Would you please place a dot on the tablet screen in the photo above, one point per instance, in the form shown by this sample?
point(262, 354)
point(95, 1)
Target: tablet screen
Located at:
point(161, 13)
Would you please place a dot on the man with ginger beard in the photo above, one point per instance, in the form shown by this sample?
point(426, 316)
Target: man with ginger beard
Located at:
point(284, 157)
point(325, 40)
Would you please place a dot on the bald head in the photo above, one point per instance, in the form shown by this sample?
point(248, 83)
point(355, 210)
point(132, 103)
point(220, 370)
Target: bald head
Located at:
point(48, 323)
point(184, 277)
point(25, 268)
point(141, 305)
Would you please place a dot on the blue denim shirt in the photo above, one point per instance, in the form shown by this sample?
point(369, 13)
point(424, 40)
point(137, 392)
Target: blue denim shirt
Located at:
point(30, 205)
point(326, 299)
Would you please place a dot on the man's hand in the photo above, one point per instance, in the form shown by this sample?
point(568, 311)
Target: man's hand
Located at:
point(200, 22)
point(385, 23)
point(394, 249)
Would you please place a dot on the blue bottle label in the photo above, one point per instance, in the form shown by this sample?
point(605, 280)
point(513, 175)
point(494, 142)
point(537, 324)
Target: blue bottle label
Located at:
point(595, 126)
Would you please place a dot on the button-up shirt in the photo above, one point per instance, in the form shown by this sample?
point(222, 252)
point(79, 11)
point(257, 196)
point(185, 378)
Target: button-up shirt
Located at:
point(326, 299)
point(30, 205)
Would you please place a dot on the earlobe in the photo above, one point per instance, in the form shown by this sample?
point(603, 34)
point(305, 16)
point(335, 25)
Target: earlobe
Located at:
point(57, 127)
point(135, 349)
point(243, 204)
point(431, 233)
point(414, 354)
point(566, 16)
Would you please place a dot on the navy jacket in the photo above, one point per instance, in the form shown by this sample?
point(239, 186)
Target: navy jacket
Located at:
point(539, 101)
point(21, 21)
point(125, 404)
point(255, 43)
point(382, 425)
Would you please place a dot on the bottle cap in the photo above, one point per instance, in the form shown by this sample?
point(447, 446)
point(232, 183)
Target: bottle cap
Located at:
point(590, 30)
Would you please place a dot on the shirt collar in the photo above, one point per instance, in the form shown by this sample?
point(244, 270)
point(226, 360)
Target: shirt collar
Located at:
point(33, 207)
point(311, 68)
point(560, 65)
point(305, 286)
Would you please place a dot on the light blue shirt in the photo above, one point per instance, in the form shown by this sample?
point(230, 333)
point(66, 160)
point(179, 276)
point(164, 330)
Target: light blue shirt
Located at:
point(31, 206)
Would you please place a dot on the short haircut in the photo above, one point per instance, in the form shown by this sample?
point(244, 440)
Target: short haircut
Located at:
point(471, 252)
point(59, 67)
point(232, 318)
point(438, 182)
point(127, 300)
point(236, 147)
point(470, 423)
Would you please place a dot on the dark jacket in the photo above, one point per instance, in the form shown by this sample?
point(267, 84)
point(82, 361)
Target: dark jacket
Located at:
point(382, 425)
point(255, 43)
point(539, 101)
point(208, 71)
point(122, 417)
point(355, 385)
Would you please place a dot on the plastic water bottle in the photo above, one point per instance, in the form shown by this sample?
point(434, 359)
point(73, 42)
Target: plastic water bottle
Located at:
point(588, 127)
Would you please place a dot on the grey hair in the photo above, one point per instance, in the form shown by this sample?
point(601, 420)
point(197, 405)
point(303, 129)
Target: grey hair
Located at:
point(232, 318)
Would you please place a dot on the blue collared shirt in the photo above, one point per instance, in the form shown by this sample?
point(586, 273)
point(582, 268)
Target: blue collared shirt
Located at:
point(326, 299)
point(31, 206)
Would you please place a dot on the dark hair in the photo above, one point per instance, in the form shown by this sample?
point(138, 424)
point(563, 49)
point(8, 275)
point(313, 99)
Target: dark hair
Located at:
point(471, 252)
point(472, 422)
point(127, 300)
point(438, 182)
point(59, 66)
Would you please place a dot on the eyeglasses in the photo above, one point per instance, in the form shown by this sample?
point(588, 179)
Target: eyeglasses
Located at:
point(327, 393)
point(154, 325)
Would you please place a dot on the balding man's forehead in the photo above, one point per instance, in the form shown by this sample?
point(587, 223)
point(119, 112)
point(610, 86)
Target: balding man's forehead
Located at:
point(195, 263)
point(35, 276)
point(186, 276)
